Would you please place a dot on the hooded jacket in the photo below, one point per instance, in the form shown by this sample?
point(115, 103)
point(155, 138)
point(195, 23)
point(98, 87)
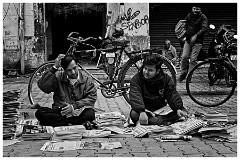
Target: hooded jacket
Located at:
point(196, 24)
point(154, 93)
point(82, 93)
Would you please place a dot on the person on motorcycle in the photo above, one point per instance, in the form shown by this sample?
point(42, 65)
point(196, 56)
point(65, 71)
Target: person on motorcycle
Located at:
point(150, 90)
point(74, 95)
point(196, 27)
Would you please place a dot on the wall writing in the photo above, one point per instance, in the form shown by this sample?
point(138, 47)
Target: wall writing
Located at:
point(131, 20)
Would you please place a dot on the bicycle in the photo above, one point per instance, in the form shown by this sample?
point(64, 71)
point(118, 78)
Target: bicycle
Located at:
point(122, 73)
point(213, 81)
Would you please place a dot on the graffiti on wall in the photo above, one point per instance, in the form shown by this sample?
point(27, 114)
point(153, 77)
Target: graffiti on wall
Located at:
point(131, 20)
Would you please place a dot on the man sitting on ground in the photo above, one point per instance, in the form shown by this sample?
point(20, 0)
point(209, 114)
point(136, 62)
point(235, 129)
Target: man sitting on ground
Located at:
point(151, 89)
point(74, 95)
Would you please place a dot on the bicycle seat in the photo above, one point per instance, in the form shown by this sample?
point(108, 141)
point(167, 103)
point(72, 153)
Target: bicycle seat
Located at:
point(120, 42)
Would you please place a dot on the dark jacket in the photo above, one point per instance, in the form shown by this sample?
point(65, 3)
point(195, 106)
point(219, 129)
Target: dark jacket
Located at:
point(83, 93)
point(153, 94)
point(196, 24)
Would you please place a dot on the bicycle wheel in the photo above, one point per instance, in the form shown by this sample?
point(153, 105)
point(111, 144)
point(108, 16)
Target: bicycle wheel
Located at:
point(131, 67)
point(35, 95)
point(206, 84)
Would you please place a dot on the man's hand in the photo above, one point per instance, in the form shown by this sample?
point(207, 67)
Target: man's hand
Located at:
point(58, 60)
point(67, 109)
point(181, 113)
point(143, 118)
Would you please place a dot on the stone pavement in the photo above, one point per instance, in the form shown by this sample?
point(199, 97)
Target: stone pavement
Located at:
point(131, 147)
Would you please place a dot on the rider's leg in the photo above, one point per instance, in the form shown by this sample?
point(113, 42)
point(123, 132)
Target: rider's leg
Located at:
point(184, 61)
point(194, 54)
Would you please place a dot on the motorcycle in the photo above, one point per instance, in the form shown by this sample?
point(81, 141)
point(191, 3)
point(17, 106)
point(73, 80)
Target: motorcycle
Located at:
point(221, 45)
point(107, 61)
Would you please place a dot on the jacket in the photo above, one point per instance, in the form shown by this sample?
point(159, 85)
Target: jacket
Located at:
point(196, 24)
point(153, 94)
point(83, 93)
point(170, 53)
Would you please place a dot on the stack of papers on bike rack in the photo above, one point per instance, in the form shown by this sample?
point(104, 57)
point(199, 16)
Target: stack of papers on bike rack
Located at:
point(110, 119)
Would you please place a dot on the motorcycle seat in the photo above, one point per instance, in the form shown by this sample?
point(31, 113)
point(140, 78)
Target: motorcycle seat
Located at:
point(120, 42)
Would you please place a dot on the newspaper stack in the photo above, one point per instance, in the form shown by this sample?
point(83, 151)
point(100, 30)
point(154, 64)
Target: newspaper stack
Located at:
point(32, 130)
point(216, 117)
point(219, 133)
point(74, 132)
point(10, 115)
point(110, 119)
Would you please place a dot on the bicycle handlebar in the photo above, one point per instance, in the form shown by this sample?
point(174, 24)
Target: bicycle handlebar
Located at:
point(79, 39)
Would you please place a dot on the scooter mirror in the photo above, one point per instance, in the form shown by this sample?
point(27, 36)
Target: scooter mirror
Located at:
point(211, 26)
point(235, 36)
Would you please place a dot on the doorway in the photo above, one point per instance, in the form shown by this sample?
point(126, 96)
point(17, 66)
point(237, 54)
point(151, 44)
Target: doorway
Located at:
point(62, 19)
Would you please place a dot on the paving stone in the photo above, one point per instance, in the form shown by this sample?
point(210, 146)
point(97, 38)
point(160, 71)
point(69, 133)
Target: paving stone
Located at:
point(220, 148)
point(104, 151)
point(122, 155)
point(203, 148)
point(138, 154)
point(121, 151)
point(229, 155)
point(6, 154)
point(169, 146)
point(73, 153)
point(188, 149)
point(154, 148)
point(156, 153)
point(104, 155)
point(53, 154)
point(194, 155)
point(211, 153)
point(232, 146)
point(86, 152)
point(174, 153)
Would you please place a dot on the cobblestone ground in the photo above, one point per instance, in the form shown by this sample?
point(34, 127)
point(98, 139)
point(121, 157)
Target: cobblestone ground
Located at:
point(132, 147)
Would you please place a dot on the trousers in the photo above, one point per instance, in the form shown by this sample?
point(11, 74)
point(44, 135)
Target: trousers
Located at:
point(157, 120)
point(189, 52)
point(51, 117)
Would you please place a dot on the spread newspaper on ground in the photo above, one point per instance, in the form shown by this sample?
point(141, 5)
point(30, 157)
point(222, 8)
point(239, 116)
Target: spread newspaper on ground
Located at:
point(187, 126)
point(76, 145)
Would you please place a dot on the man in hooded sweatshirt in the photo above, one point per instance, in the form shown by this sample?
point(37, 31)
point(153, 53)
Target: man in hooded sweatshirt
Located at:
point(152, 89)
point(196, 27)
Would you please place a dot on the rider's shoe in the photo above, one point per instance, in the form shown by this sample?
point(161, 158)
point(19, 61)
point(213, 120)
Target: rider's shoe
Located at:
point(182, 77)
